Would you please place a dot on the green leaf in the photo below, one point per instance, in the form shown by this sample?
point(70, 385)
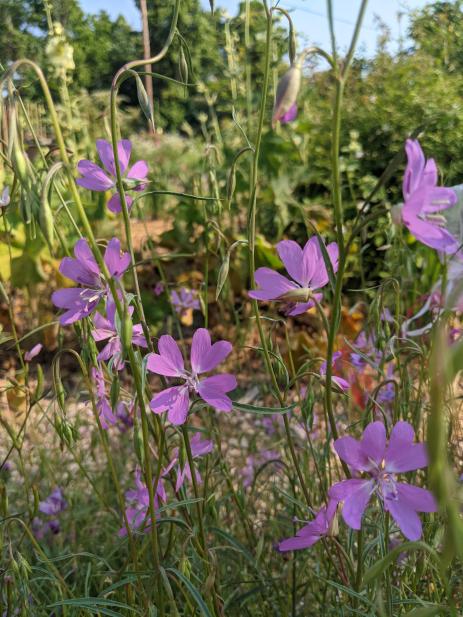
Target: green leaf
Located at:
point(96, 605)
point(193, 591)
point(262, 411)
point(380, 566)
point(427, 611)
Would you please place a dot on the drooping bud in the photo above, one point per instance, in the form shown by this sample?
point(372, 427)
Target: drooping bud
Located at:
point(285, 108)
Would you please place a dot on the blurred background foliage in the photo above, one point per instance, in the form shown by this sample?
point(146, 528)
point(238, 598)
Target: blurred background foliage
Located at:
point(389, 96)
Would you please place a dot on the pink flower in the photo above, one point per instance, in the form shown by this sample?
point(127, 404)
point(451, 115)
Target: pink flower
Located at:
point(97, 179)
point(137, 510)
point(29, 355)
point(308, 273)
point(204, 358)
point(339, 381)
point(424, 201)
point(184, 300)
point(107, 418)
point(381, 462)
point(307, 536)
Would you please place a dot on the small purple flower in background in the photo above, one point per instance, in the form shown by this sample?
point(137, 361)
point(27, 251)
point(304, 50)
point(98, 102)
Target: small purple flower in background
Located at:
point(53, 505)
point(343, 384)
point(272, 423)
point(204, 358)
point(105, 413)
point(257, 460)
point(124, 413)
point(199, 447)
point(95, 178)
point(137, 510)
point(185, 299)
point(83, 270)
point(158, 288)
point(382, 462)
point(307, 269)
point(307, 536)
point(424, 201)
point(5, 197)
point(32, 353)
point(105, 328)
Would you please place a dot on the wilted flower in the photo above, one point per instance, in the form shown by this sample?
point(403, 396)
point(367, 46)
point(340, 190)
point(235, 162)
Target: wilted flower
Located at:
point(307, 536)
point(105, 328)
point(285, 108)
point(30, 355)
point(97, 179)
point(204, 358)
point(307, 269)
point(424, 201)
point(84, 270)
point(343, 384)
point(105, 413)
point(381, 463)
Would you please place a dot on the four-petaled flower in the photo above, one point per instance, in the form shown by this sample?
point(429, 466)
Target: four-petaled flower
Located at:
point(424, 201)
point(381, 462)
point(97, 179)
point(307, 270)
point(204, 358)
point(184, 299)
point(105, 328)
point(80, 302)
point(321, 526)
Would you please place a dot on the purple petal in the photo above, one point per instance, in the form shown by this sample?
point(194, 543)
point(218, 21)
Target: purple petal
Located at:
point(107, 418)
point(204, 356)
point(213, 389)
point(320, 277)
point(93, 177)
point(303, 539)
point(343, 384)
point(272, 285)
point(116, 262)
point(351, 452)
point(356, 495)
point(29, 355)
point(106, 154)
point(402, 454)
point(373, 443)
point(138, 171)
point(85, 256)
point(114, 204)
point(173, 400)
point(169, 362)
point(415, 167)
point(417, 498)
point(406, 518)
point(291, 255)
point(290, 115)
point(124, 149)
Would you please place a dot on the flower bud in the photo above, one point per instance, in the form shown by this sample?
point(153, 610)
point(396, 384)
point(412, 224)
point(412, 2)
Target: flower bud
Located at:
point(396, 214)
point(285, 108)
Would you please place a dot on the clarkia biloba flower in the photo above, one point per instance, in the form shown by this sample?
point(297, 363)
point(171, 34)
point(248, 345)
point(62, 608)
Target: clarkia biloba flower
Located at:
point(32, 353)
point(308, 273)
point(380, 463)
point(424, 201)
point(285, 107)
point(83, 269)
point(199, 447)
point(322, 525)
point(95, 178)
point(204, 358)
point(105, 413)
point(184, 299)
point(137, 509)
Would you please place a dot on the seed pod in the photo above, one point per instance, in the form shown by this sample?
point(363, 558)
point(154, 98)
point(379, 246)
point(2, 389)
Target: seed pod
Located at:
point(231, 185)
point(223, 275)
point(285, 108)
point(292, 44)
point(39, 388)
point(143, 99)
point(46, 220)
point(183, 66)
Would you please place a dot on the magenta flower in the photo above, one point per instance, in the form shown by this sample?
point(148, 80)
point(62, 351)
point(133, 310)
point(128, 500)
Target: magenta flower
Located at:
point(97, 179)
point(307, 536)
point(424, 201)
point(158, 288)
point(285, 107)
point(381, 463)
point(307, 270)
point(137, 512)
point(199, 447)
point(105, 413)
point(184, 299)
point(343, 384)
point(204, 358)
point(84, 270)
point(32, 353)
point(106, 329)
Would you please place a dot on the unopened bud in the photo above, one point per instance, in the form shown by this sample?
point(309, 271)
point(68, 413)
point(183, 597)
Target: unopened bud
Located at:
point(143, 99)
point(285, 109)
point(396, 214)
